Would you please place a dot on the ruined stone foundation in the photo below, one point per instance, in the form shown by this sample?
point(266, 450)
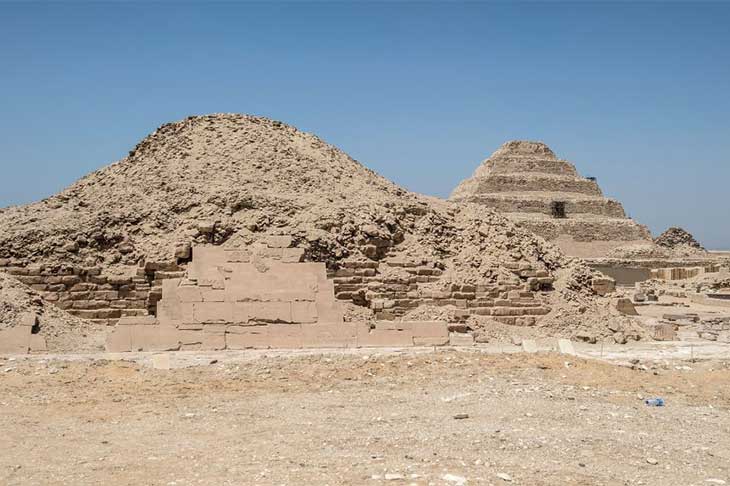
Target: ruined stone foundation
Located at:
point(546, 195)
point(238, 299)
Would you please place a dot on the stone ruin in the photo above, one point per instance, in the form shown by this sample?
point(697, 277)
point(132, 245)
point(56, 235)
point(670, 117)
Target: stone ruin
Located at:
point(260, 297)
point(22, 338)
point(546, 195)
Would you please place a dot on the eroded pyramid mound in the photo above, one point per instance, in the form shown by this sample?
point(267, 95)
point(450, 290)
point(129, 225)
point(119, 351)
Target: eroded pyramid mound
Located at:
point(675, 237)
point(526, 181)
point(228, 179)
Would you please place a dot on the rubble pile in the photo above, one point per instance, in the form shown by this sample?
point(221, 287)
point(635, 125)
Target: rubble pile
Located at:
point(676, 237)
point(60, 329)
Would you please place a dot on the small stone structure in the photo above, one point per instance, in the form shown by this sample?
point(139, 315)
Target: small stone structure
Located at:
point(390, 287)
point(259, 297)
point(86, 293)
point(22, 338)
point(683, 273)
point(394, 286)
point(529, 184)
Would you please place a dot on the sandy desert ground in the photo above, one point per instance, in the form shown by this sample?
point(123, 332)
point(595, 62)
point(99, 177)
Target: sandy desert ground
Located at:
point(422, 416)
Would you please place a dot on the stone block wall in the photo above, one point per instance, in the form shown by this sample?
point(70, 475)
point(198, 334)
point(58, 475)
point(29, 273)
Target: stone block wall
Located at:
point(201, 290)
point(258, 298)
point(682, 273)
point(85, 292)
point(393, 294)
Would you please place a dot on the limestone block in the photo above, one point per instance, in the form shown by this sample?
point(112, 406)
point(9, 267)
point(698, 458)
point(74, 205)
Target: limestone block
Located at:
point(285, 336)
point(214, 282)
point(394, 326)
point(161, 362)
point(270, 311)
point(137, 320)
point(330, 335)
point(169, 287)
point(277, 241)
point(303, 312)
point(427, 333)
point(238, 256)
point(187, 293)
point(292, 255)
point(183, 251)
point(529, 346)
point(663, 332)
point(119, 340)
point(566, 346)
point(603, 286)
point(38, 344)
point(213, 295)
point(188, 337)
point(246, 337)
point(241, 312)
point(213, 342)
point(15, 340)
point(383, 335)
point(461, 339)
point(212, 312)
point(266, 252)
point(214, 337)
point(626, 307)
point(144, 338)
point(193, 327)
point(171, 313)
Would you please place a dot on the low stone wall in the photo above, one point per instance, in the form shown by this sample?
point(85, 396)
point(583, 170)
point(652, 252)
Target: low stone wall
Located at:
point(391, 294)
point(705, 300)
point(682, 273)
point(260, 297)
point(146, 334)
point(390, 288)
point(86, 293)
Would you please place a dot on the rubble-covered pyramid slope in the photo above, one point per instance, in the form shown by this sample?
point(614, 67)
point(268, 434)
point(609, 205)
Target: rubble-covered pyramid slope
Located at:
point(229, 179)
point(527, 182)
point(61, 330)
point(678, 238)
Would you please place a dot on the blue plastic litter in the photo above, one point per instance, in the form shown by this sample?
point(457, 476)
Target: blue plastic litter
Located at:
point(654, 402)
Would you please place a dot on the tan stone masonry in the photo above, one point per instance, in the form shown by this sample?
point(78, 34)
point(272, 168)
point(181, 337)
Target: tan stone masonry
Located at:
point(259, 297)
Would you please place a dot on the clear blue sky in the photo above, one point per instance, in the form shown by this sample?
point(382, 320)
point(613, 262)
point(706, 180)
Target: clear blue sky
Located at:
point(637, 95)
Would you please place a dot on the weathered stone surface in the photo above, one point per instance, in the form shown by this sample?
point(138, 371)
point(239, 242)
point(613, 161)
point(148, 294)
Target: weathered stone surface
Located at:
point(430, 333)
point(529, 346)
point(565, 346)
point(461, 339)
point(626, 307)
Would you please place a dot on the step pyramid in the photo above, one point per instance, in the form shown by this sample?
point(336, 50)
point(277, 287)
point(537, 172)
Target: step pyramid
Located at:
point(546, 195)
